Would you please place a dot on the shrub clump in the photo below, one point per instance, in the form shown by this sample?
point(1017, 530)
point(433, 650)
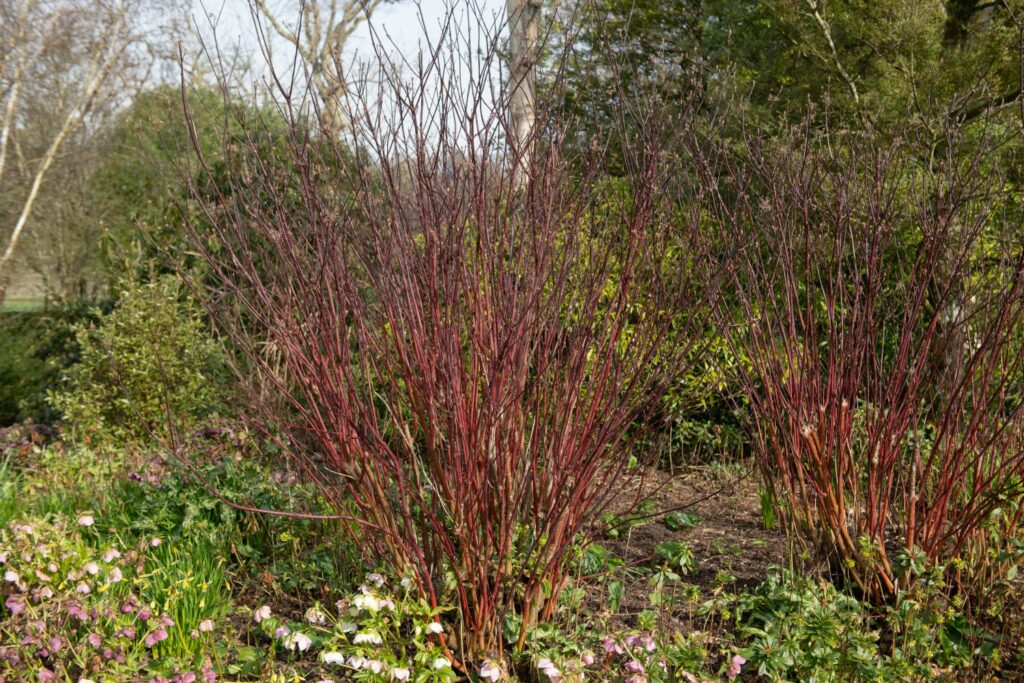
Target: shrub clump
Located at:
point(149, 360)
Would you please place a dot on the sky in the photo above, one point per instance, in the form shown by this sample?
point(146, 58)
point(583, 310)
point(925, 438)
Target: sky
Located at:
point(398, 22)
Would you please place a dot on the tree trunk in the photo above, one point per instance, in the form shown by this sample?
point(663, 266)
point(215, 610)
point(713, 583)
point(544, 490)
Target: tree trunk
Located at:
point(524, 23)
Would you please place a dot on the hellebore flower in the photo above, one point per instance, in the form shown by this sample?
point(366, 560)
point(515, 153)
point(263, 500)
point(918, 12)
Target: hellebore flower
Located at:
point(155, 637)
point(297, 641)
point(371, 637)
point(735, 667)
point(489, 671)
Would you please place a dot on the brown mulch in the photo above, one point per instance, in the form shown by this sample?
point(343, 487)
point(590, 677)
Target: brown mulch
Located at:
point(730, 543)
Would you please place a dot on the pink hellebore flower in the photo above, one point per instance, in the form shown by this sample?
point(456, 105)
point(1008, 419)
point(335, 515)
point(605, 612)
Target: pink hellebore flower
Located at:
point(735, 666)
point(611, 646)
point(550, 670)
point(155, 637)
point(15, 604)
point(206, 626)
point(94, 639)
point(261, 614)
point(587, 658)
point(489, 671)
point(86, 520)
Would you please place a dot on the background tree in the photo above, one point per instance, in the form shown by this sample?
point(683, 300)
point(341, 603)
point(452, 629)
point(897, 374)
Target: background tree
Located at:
point(319, 34)
point(73, 64)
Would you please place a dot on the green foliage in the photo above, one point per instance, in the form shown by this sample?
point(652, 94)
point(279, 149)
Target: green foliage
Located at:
point(799, 629)
point(701, 404)
point(22, 372)
point(677, 556)
point(140, 185)
point(680, 520)
point(297, 555)
point(149, 360)
point(186, 581)
point(804, 631)
point(35, 348)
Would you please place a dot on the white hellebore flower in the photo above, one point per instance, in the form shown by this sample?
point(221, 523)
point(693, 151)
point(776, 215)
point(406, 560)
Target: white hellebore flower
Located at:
point(111, 555)
point(441, 663)
point(435, 627)
point(297, 641)
point(376, 579)
point(349, 627)
point(262, 613)
point(371, 637)
point(315, 616)
point(549, 669)
point(366, 601)
point(400, 673)
point(490, 671)
point(11, 577)
point(86, 520)
point(375, 665)
point(332, 658)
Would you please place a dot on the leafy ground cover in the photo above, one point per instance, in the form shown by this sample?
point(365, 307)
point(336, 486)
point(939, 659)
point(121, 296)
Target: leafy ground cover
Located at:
point(130, 568)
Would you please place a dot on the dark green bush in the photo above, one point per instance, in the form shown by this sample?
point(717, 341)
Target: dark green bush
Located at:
point(36, 347)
